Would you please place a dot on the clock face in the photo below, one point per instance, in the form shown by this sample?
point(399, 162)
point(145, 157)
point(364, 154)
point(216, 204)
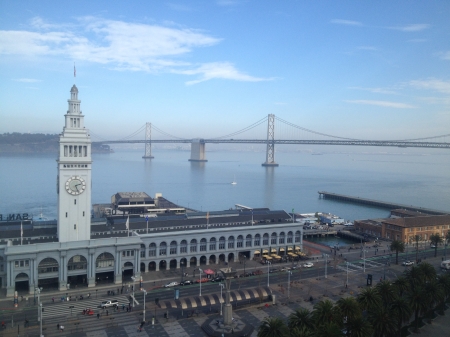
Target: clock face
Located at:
point(75, 185)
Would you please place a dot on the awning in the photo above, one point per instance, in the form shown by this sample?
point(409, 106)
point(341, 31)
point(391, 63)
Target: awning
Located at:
point(292, 254)
point(267, 257)
point(289, 248)
point(297, 248)
point(209, 272)
point(240, 296)
point(265, 251)
point(273, 250)
point(257, 252)
point(281, 249)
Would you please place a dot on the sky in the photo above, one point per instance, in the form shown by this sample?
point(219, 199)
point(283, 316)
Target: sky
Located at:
point(356, 69)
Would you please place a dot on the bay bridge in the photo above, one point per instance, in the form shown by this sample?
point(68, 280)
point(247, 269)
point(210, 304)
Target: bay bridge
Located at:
point(287, 133)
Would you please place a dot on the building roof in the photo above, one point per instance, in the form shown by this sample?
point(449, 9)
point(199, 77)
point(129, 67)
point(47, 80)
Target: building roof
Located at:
point(419, 221)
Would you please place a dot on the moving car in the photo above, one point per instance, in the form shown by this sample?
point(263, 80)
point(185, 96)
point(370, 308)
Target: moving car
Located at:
point(203, 280)
point(110, 303)
point(308, 264)
point(171, 284)
point(407, 263)
point(186, 283)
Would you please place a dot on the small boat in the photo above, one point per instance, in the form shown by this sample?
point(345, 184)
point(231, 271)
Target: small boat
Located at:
point(41, 218)
point(234, 181)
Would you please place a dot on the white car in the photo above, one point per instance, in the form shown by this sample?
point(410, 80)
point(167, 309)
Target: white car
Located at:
point(308, 264)
point(407, 263)
point(171, 284)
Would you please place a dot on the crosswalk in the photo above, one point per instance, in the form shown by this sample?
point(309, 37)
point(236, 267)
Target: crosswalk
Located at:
point(74, 308)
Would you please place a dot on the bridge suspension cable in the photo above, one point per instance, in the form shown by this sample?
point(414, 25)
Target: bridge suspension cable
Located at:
point(134, 133)
point(252, 126)
point(165, 133)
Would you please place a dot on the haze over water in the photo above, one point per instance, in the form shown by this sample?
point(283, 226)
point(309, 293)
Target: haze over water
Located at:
point(417, 177)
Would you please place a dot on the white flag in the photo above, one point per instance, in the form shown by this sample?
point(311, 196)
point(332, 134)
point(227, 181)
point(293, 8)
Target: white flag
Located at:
point(127, 224)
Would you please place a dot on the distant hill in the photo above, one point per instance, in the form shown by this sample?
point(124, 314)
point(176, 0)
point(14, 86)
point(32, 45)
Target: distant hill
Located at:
point(37, 143)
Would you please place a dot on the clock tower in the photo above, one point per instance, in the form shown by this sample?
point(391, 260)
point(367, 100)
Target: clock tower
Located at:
point(74, 175)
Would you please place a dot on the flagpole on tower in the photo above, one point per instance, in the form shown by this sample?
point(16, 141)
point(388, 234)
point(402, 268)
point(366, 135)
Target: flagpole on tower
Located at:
point(21, 234)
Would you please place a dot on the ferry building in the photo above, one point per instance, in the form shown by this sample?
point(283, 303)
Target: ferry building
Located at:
point(141, 234)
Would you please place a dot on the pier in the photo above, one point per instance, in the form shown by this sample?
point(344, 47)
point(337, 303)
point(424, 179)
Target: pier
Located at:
point(377, 203)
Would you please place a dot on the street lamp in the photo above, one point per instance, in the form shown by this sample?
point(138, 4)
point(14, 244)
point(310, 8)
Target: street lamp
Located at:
point(40, 310)
point(268, 264)
point(182, 270)
point(221, 297)
point(289, 283)
point(134, 283)
point(326, 263)
point(346, 284)
point(145, 293)
point(245, 257)
point(200, 279)
point(38, 291)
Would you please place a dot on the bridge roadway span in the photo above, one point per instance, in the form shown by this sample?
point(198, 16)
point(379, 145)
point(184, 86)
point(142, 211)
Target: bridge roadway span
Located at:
point(383, 204)
point(393, 143)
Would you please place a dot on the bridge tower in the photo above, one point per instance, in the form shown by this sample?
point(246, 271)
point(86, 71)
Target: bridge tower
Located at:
point(148, 141)
point(270, 151)
point(198, 151)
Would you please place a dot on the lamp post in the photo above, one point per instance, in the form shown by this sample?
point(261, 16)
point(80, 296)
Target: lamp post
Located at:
point(146, 219)
point(346, 284)
point(221, 297)
point(326, 263)
point(40, 310)
point(289, 283)
point(268, 264)
point(245, 257)
point(182, 270)
point(200, 279)
point(145, 293)
point(134, 283)
point(38, 291)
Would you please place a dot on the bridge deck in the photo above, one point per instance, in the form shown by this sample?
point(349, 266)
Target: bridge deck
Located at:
point(377, 203)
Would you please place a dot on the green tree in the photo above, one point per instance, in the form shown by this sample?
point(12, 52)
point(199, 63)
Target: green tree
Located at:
point(299, 319)
point(273, 327)
point(417, 298)
point(400, 307)
point(428, 271)
point(348, 310)
point(434, 295)
point(383, 320)
point(400, 285)
point(444, 282)
point(386, 291)
point(329, 329)
point(323, 312)
point(397, 246)
point(369, 299)
point(359, 327)
point(435, 239)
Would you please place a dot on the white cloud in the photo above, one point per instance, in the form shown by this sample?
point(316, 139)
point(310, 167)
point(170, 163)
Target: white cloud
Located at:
point(227, 2)
point(222, 70)
point(432, 84)
point(386, 104)
point(445, 55)
point(26, 80)
point(366, 48)
point(346, 22)
point(122, 46)
point(376, 90)
point(412, 28)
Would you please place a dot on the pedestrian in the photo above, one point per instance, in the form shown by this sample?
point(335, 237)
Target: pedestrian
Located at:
point(123, 306)
point(107, 313)
point(127, 309)
point(57, 326)
point(98, 316)
point(53, 299)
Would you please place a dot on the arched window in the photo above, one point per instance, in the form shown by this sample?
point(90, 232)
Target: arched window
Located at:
point(240, 241)
point(142, 251)
point(257, 241)
point(222, 242)
point(289, 237)
point(152, 249)
point(248, 241)
point(297, 236)
point(104, 260)
point(273, 239)
point(203, 245)
point(183, 247)
point(281, 238)
point(212, 244)
point(77, 262)
point(48, 265)
point(231, 242)
point(265, 239)
point(173, 248)
point(162, 249)
point(193, 246)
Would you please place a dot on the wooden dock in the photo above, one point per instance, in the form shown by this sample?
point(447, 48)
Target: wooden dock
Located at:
point(381, 204)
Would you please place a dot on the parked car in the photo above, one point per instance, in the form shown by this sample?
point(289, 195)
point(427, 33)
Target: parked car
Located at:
point(407, 263)
point(308, 264)
point(171, 284)
point(110, 303)
point(218, 279)
point(273, 270)
point(186, 283)
point(257, 272)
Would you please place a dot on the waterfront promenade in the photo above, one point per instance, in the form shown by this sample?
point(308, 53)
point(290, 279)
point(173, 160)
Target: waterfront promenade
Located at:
point(306, 283)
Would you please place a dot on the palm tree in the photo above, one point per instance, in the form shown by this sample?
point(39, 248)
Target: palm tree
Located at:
point(329, 329)
point(434, 296)
point(402, 311)
point(428, 271)
point(323, 312)
point(398, 246)
point(359, 327)
point(301, 332)
point(386, 291)
point(435, 239)
point(383, 320)
point(415, 277)
point(369, 299)
point(299, 319)
point(348, 309)
point(400, 285)
point(273, 327)
point(444, 282)
point(446, 240)
point(417, 238)
point(417, 298)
